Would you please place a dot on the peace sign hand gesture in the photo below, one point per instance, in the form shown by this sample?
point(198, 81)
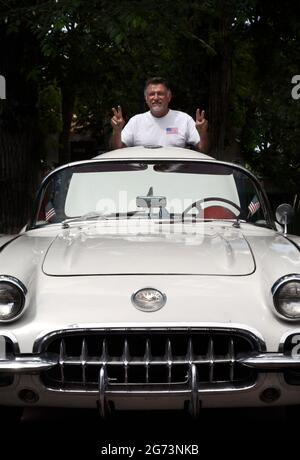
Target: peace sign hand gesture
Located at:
point(117, 121)
point(201, 122)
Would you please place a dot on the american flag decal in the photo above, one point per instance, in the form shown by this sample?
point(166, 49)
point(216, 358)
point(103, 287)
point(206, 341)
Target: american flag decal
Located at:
point(171, 130)
point(254, 205)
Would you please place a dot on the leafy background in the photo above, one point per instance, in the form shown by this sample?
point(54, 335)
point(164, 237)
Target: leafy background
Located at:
point(68, 62)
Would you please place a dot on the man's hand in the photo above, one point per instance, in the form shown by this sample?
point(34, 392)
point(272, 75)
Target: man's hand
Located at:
point(202, 128)
point(201, 122)
point(117, 121)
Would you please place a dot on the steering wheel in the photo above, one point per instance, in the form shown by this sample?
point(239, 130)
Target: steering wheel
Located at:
point(198, 205)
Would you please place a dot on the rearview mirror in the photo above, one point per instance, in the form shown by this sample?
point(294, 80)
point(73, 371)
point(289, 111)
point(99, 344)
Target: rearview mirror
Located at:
point(151, 201)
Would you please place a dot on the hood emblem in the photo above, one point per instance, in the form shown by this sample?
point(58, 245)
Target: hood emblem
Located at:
point(148, 299)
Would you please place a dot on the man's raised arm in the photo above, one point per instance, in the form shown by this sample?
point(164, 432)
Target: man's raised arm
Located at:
point(202, 128)
point(117, 123)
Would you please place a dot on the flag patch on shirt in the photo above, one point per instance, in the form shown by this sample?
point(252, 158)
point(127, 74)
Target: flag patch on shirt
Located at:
point(171, 130)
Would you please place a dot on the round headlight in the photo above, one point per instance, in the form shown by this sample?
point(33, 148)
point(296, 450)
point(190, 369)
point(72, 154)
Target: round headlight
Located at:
point(286, 295)
point(12, 298)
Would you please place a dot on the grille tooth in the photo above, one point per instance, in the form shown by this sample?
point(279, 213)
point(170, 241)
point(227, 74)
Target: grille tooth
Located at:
point(83, 359)
point(231, 356)
point(62, 358)
point(147, 358)
point(168, 355)
point(190, 351)
point(169, 359)
point(126, 359)
point(104, 354)
point(210, 356)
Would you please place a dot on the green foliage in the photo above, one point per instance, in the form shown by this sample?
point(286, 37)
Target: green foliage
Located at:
point(238, 55)
point(50, 109)
point(271, 134)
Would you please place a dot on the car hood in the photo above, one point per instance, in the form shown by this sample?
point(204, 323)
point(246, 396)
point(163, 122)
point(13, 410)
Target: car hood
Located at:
point(102, 251)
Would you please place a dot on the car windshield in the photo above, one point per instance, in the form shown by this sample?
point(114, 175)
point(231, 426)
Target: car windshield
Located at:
point(150, 189)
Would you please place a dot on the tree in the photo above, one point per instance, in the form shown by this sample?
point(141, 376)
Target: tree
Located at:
point(19, 138)
point(233, 58)
point(272, 139)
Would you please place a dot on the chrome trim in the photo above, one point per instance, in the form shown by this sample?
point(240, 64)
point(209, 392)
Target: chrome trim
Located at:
point(284, 280)
point(104, 408)
point(147, 158)
point(161, 392)
point(263, 198)
point(28, 364)
point(194, 404)
point(151, 310)
point(180, 369)
point(276, 286)
point(12, 339)
point(121, 327)
point(270, 361)
point(16, 282)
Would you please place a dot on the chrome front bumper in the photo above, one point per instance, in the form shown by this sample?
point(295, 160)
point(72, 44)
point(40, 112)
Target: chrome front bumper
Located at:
point(34, 364)
point(191, 391)
point(111, 364)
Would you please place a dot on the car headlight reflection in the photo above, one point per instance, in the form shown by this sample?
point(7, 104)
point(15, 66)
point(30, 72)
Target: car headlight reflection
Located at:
point(286, 295)
point(12, 298)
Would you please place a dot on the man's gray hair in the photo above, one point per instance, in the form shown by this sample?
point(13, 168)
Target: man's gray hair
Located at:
point(157, 81)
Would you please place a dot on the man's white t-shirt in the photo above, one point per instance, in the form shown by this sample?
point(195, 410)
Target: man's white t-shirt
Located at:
point(174, 129)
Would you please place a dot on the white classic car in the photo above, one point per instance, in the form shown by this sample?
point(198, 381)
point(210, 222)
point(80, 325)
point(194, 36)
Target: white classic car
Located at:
point(150, 278)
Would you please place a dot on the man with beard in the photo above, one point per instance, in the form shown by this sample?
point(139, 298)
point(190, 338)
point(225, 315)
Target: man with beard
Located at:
point(160, 125)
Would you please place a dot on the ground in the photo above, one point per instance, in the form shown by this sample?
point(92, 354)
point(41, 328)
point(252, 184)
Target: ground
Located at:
point(81, 433)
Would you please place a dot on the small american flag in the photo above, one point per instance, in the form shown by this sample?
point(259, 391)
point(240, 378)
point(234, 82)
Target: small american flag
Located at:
point(171, 130)
point(254, 205)
point(49, 211)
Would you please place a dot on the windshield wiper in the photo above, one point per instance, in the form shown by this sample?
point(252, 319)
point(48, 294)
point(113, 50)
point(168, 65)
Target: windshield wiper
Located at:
point(88, 216)
point(194, 219)
point(96, 215)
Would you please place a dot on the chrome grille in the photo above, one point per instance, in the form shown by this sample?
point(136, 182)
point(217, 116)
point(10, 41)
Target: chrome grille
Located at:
point(149, 359)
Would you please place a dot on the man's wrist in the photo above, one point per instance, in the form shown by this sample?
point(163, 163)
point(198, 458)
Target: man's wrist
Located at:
point(116, 139)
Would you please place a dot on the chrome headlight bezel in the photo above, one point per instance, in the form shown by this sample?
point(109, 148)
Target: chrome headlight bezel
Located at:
point(18, 293)
point(279, 288)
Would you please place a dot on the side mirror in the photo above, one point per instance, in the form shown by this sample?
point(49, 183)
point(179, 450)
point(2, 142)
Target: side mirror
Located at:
point(284, 215)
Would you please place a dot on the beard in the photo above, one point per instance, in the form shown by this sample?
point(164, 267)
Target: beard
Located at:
point(158, 110)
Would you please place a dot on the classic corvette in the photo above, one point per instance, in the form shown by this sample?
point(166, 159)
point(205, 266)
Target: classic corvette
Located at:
point(150, 278)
